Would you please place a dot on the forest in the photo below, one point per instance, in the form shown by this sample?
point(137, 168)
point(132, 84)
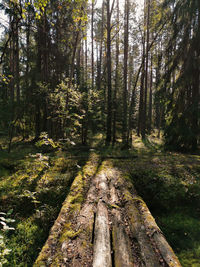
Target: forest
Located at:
point(99, 133)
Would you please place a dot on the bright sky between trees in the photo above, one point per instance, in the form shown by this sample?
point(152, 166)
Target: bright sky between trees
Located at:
point(4, 22)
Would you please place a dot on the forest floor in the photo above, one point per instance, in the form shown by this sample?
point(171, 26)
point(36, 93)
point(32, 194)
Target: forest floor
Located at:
point(34, 184)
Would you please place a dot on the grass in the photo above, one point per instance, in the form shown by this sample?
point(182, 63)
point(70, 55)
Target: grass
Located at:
point(35, 185)
point(170, 185)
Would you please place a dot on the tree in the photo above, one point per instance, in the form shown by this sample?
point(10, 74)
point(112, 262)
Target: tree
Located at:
point(126, 48)
point(109, 70)
point(182, 76)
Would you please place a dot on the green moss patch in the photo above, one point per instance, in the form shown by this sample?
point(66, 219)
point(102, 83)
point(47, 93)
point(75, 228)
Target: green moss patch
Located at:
point(63, 228)
point(170, 185)
point(34, 185)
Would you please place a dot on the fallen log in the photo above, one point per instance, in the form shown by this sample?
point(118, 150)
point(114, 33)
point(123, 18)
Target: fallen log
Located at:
point(154, 232)
point(62, 230)
point(121, 242)
point(148, 255)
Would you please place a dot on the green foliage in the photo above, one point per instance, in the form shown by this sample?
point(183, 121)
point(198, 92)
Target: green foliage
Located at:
point(30, 195)
point(179, 131)
point(181, 231)
point(24, 243)
point(181, 80)
point(35, 189)
point(190, 258)
point(4, 251)
point(170, 185)
point(5, 221)
point(46, 141)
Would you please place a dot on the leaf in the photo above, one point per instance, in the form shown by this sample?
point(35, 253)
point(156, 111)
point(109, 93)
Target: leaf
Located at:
point(10, 220)
point(6, 251)
point(3, 223)
point(10, 212)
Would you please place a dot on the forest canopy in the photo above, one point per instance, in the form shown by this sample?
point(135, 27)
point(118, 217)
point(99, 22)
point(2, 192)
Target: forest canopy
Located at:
point(74, 68)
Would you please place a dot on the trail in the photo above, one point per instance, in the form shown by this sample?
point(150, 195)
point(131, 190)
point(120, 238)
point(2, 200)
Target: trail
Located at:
point(104, 223)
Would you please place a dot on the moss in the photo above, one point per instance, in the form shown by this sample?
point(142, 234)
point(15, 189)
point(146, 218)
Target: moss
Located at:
point(68, 233)
point(85, 244)
point(48, 179)
point(24, 242)
point(127, 196)
point(190, 258)
point(70, 208)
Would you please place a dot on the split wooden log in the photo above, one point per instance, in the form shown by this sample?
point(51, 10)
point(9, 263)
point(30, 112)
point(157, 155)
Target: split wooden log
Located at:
point(102, 186)
point(154, 232)
point(148, 255)
point(63, 229)
point(102, 249)
point(121, 243)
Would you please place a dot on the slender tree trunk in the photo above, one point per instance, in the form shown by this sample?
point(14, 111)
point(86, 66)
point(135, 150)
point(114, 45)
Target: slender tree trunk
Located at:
point(196, 90)
point(86, 61)
point(116, 79)
point(92, 37)
point(76, 37)
point(141, 101)
point(126, 33)
point(132, 103)
point(147, 10)
point(109, 83)
point(99, 78)
point(150, 97)
point(17, 62)
point(11, 58)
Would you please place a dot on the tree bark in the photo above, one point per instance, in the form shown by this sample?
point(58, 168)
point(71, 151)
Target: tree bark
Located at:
point(92, 37)
point(116, 78)
point(147, 11)
point(126, 35)
point(109, 83)
point(150, 97)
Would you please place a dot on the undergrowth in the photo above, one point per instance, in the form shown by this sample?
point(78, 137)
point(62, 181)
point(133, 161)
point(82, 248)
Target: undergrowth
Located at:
point(170, 185)
point(33, 184)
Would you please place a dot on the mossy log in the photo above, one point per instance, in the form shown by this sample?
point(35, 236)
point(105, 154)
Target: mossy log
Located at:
point(102, 186)
point(62, 230)
point(148, 255)
point(154, 232)
point(79, 238)
point(121, 242)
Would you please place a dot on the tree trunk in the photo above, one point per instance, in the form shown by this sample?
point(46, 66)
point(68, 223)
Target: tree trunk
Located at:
point(126, 28)
point(116, 79)
point(92, 37)
point(109, 83)
point(99, 69)
point(150, 97)
point(141, 129)
point(147, 11)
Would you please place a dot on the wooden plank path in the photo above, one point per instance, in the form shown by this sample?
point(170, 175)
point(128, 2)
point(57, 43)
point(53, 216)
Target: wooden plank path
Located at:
point(104, 223)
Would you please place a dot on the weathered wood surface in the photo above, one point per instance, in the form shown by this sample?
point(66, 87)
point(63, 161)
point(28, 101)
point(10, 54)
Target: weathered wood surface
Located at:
point(155, 233)
point(102, 250)
point(121, 243)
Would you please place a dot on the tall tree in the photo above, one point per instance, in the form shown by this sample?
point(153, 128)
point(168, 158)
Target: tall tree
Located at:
point(116, 78)
point(126, 48)
point(109, 72)
point(92, 40)
point(181, 131)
